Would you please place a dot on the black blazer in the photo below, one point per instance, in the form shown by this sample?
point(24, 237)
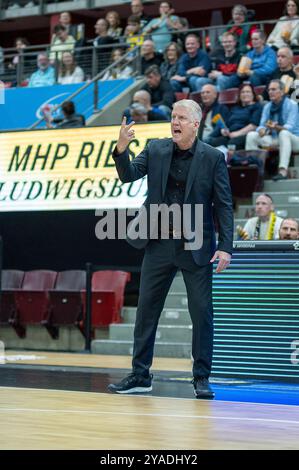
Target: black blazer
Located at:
point(207, 184)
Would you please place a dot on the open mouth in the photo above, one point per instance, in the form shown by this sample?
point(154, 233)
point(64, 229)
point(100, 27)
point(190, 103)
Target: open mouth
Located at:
point(177, 131)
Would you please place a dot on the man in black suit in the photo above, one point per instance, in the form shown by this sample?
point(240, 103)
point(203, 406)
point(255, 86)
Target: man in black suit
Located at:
point(184, 171)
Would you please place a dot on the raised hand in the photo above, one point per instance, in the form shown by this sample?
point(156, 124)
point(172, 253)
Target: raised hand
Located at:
point(126, 134)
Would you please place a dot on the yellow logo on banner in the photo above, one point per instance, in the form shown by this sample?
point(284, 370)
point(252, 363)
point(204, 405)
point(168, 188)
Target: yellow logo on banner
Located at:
point(69, 169)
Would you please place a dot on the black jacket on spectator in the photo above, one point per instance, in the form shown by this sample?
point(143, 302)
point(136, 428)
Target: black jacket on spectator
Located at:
point(240, 116)
point(163, 94)
point(156, 60)
point(73, 121)
point(169, 70)
point(226, 65)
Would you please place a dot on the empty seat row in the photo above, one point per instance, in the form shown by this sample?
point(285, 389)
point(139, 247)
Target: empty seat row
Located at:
point(54, 299)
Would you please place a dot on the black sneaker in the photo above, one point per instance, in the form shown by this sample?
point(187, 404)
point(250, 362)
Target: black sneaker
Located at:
point(132, 384)
point(202, 388)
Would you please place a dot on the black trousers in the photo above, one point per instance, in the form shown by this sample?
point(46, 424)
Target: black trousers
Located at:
point(161, 261)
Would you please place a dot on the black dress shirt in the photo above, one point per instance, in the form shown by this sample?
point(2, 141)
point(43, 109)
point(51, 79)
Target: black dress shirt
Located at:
point(177, 178)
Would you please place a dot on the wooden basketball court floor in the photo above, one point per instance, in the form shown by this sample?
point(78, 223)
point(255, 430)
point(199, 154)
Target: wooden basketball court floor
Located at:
point(59, 401)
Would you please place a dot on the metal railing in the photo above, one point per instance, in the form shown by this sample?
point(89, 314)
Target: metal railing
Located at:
point(133, 56)
point(92, 59)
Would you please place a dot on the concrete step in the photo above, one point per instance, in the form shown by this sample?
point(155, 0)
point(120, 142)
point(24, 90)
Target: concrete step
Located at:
point(281, 197)
point(283, 185)
point(165, 349)
point(173, 316)
point(282, 210)
point(165, 333)
point(177, 299)
point(293, 172)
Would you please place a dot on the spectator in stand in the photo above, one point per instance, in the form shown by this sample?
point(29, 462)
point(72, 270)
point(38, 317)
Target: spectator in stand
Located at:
point(137, 9)
point(69, 72)
point(286, 30)
point(285, 63)
point(160, 28)
point(193, 68)
point(70, 118)
point(210, 109)
point(153, 112)
point(65, 19)
point(285, 71)
point(103, 39)
point(180, 29)
point(242, 31)
point(138, 113)
point(28, 59)
point(121, 70)
point(133, 34)
point(242, 118)
point(149, 56)
point(262, 63)
point(45, 75)
point(279, 127)
point(169, 67)
point(144, 98)
point(20, 45)
point(114, 30)
point(62, 42)
point(161, 92)
point(289, 229)
point(225, 62)
point(266, 224)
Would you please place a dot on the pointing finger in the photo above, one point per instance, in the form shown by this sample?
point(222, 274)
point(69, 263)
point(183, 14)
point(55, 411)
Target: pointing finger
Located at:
point(124, 122)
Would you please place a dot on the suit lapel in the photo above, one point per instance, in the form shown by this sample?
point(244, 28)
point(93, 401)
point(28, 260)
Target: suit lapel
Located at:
point(166, 161)
point(194, 167)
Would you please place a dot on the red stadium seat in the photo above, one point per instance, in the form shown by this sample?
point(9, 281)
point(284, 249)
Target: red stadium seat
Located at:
point(195, 96)
point(179, 95)
point(260, 89)
point(296, 59)
point(107, 296)
point(32, 299)
point(65, 305)
point(228, 96)
point(244, 180)
point(11, 279)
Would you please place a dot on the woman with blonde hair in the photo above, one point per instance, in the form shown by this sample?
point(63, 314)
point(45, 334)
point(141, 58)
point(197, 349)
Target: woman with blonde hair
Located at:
point(114, 30)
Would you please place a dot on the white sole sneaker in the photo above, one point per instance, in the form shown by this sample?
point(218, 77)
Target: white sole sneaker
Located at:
point(136, 390)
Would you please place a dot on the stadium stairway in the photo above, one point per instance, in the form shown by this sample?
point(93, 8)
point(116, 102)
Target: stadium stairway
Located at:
point(111, 114)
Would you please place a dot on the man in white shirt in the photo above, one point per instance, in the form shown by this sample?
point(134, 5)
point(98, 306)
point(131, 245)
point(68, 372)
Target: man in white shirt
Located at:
point(266, 224)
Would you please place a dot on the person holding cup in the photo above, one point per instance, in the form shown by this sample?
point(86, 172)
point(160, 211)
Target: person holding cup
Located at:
point(286, 30)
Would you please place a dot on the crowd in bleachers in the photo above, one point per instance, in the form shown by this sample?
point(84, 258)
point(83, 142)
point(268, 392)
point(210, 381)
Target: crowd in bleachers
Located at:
point(259, 73)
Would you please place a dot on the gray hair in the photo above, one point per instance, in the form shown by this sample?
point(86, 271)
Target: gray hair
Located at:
point(241, 9)
point(289, 51)
point(280, 83)
point(192, 106)
point(138, 108)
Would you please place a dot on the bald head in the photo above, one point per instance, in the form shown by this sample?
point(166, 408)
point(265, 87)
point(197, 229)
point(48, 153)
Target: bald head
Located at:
point(148, 48)
point(143, 97)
